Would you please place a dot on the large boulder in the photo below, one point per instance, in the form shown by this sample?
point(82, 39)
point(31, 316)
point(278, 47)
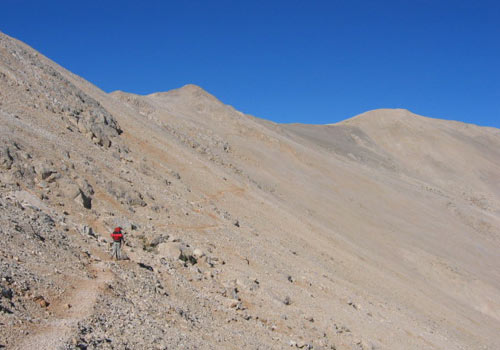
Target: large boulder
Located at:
point(170, 250)
point(81, 191)
point(177, 251)
point(69, 189)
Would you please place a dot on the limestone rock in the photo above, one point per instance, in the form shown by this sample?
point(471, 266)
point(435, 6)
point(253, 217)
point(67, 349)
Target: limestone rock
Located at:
point(170, 250)
point(177, 251)
point(198, 253)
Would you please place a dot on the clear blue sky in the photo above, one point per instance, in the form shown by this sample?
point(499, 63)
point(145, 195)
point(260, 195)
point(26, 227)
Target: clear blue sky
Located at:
point(287, 61)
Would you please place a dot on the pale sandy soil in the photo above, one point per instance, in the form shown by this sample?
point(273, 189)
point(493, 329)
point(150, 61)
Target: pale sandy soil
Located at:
point(381, 231)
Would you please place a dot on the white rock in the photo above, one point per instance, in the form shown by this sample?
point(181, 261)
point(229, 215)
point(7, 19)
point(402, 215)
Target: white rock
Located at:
point(198, 253)
point(170, 250)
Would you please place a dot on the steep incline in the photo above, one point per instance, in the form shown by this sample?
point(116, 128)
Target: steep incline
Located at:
point(453, 155)
point(380, 232)
point(362, 197)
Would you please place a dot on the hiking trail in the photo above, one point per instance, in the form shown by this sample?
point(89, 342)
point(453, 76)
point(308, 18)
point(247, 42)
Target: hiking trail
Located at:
point(81, 297)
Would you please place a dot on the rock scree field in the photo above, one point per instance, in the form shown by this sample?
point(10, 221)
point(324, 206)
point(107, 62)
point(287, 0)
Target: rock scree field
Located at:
point(378, 232)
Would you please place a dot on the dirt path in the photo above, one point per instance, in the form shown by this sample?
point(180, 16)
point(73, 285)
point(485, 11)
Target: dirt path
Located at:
point(58, 329)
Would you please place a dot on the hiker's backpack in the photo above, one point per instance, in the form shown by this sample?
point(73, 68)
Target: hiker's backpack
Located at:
point(117, 234)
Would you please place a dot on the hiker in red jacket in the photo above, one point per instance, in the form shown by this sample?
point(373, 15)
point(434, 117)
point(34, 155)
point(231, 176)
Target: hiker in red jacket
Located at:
point(117, 236)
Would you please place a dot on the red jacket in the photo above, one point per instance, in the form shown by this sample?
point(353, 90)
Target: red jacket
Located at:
point(117, 236)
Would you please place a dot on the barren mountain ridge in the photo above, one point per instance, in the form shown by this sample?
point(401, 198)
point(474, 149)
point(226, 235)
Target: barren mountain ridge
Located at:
point(378, 232)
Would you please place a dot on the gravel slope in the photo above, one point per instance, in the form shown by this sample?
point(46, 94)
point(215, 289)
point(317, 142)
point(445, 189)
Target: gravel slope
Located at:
point(380, 232)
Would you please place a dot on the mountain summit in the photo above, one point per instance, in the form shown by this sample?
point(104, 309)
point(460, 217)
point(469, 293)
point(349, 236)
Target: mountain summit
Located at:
point(379, 232)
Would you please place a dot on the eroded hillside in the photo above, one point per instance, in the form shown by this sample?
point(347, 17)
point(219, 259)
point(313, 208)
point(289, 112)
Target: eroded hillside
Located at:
point(380, 232)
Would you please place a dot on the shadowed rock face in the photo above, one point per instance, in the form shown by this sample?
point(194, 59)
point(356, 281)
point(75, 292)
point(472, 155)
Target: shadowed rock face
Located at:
point(379, 232)
point(344, 140)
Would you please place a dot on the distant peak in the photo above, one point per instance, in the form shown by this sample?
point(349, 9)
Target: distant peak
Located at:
point(382, 115)
point(188, 90)
point(389, 112)
point(192, 88)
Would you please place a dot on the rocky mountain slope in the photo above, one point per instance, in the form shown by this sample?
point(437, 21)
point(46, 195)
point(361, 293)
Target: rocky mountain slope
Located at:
point(379, 232)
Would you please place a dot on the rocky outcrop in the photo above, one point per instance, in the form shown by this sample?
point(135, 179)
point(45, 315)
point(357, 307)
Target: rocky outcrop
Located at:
point(31, 82)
